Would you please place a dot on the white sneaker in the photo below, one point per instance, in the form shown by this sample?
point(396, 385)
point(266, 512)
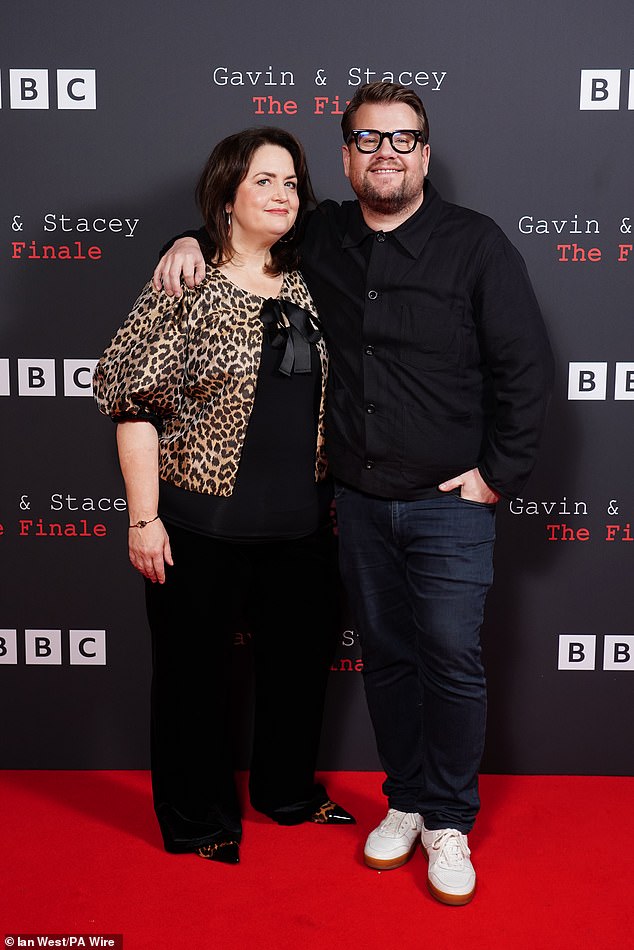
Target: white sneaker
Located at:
point(394, 841)
point(450, 875)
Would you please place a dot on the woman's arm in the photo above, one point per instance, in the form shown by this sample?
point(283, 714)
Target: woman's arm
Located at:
point(148, 547)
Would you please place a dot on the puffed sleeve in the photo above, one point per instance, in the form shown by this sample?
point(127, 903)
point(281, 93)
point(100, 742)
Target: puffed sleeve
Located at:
point(141, 373)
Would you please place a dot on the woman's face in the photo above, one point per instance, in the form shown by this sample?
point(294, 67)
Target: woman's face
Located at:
point(266, 201)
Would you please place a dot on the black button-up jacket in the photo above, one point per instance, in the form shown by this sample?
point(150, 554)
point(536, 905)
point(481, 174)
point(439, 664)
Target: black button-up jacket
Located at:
point(440, 361)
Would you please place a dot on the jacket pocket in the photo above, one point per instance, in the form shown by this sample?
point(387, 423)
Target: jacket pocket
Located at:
point(430, 339)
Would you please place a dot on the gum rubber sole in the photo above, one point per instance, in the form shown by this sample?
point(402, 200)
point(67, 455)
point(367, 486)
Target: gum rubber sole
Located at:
point(379, 864)
point(454, 900)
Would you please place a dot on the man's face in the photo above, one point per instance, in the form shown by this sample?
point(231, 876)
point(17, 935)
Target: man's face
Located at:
point(387, 182)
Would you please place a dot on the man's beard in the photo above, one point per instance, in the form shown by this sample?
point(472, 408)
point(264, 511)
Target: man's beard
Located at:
point(387, 203)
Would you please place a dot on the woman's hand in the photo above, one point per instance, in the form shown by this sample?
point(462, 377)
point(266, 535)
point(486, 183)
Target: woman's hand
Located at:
point(149, 550)
point(185, 259)
point(148, 547)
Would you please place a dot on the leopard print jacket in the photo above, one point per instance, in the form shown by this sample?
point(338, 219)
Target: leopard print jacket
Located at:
point(192, 365)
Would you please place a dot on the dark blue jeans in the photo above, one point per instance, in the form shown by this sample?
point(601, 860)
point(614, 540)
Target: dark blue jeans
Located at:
point(417, 574)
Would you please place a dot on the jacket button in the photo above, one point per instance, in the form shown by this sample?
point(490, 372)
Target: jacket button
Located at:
point(369, 350)
point(369, 464)
point(372, 294)
point(370, 408)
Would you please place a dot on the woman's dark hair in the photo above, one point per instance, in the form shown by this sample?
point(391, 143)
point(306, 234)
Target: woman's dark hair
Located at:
point(226, 167)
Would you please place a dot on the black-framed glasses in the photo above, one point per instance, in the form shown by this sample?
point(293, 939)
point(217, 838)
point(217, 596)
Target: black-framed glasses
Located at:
point(370, 140)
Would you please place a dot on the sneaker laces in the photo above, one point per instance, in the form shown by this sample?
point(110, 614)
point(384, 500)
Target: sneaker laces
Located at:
point(396, 822)
point(453, 848)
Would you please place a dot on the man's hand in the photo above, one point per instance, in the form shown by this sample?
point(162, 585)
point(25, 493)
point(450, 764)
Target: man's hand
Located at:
point(185, 259)
point(472, 487)
point(149, 550)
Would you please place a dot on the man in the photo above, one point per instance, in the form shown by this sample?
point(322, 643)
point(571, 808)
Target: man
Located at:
point(440, 375)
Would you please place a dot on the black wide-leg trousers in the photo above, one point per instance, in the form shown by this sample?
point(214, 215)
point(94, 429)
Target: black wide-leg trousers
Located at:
point(286, 593)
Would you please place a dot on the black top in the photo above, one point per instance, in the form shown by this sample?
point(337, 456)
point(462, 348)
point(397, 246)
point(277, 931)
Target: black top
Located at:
point(440, 361)
point(275, 494)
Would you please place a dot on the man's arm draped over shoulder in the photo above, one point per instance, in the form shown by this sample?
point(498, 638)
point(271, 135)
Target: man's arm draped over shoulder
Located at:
point(182, 256)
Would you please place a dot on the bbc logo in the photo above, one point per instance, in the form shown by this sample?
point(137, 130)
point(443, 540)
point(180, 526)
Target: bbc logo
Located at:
point(38, 377)
point(44, 647)
point(29, 89)
point(601, 89)
point(589, 380)
point(579, 652)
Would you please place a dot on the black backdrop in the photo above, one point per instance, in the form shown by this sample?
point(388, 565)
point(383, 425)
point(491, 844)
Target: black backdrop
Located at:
point(107, 115)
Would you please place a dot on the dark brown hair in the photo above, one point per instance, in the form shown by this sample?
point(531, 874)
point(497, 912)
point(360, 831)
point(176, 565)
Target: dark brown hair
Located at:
point(226, 167)
point(384, 93)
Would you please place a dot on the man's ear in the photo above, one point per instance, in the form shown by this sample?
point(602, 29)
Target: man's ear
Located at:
point(426, 158)
point(345, 154)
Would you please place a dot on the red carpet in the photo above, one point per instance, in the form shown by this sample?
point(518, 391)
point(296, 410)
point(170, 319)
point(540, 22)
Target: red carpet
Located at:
point(82, 854)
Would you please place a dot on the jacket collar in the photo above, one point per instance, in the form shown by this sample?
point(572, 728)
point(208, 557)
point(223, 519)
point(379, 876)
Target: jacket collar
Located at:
point(412, 235)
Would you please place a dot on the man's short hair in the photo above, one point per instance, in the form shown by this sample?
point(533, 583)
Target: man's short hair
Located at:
point(384, 93)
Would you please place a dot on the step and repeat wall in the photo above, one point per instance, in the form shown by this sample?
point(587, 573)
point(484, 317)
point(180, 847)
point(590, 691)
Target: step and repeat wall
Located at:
point(107, 114)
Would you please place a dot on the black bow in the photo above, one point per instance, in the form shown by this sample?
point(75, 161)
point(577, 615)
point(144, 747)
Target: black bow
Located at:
point(295, 338)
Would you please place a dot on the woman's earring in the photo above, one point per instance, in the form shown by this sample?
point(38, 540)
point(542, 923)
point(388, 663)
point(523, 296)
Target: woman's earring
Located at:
point(288, 237)
point(228, 214)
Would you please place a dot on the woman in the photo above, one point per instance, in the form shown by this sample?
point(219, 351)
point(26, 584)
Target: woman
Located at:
point(219, 397)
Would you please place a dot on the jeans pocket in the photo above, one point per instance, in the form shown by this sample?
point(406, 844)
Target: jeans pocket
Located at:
point(339, 490)
point(477, 504)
